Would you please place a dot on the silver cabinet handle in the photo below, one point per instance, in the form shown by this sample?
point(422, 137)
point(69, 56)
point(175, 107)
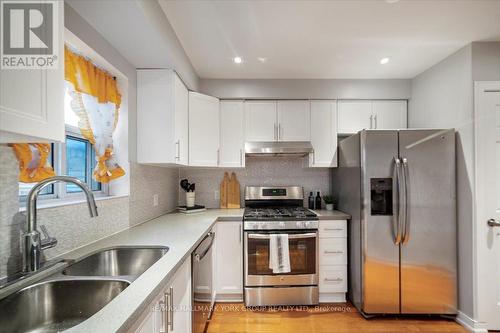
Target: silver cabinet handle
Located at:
point(169, 295)
point(376, 123)
point(275, 132)
point(333, 252)
point(240, 233)
point(493, 223)
point(241, 157)
point(178, 149)
point(218, 156)
point(333, 229)
point(314, 157)
point(163, 309)
point(334, 280)
point(406, 225)
point(280, 132)
point(371, 122)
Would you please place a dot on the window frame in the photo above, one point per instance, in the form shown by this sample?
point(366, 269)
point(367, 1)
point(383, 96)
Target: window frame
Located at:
point(59, 164)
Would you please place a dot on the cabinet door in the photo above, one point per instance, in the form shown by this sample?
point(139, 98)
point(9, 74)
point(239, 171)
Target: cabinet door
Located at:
point(181, 100)
point(294, 120)
point(32, 100)
point(353, 116)
point(232, 134)
point(389, 114)
point(179, 320)
point(229, 264)
point(203, 130)
point(323, 134)
point(156, 123)
point(260, 121)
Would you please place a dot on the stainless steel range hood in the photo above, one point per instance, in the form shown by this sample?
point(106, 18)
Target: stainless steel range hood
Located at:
point(278, 148)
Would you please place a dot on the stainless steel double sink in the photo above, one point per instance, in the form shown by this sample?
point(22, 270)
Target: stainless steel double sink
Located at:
point(76, 292)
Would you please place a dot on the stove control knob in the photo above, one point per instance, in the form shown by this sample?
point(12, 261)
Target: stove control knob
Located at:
point(282, 224)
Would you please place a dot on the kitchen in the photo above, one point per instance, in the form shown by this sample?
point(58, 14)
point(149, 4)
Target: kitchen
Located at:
point(159, 179)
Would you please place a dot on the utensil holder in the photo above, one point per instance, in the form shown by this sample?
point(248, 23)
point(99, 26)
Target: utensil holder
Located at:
point(190, 196)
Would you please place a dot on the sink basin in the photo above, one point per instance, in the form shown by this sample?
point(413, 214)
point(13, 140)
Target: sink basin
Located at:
point(117, 262)
point(54, 306)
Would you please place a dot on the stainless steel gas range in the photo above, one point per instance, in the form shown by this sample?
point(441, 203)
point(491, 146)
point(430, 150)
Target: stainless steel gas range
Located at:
point(269, 213)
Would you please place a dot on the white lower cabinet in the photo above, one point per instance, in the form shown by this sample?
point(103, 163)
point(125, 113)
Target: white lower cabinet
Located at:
point(229, 262)
point(170, 311)
point(332, 261)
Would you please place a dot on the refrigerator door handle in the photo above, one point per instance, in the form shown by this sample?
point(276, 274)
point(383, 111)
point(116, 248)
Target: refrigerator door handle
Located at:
point(396, 218)
point(406, 226)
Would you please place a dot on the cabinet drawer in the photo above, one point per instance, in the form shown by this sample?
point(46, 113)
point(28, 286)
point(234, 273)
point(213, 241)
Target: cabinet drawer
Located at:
point(332, 279)
point(333, 251)
point(335, 228)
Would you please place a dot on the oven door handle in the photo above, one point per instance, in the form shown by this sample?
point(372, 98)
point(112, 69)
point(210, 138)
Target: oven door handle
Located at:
point(290, 236)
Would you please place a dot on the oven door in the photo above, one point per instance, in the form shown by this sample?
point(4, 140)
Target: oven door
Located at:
point(303, 248)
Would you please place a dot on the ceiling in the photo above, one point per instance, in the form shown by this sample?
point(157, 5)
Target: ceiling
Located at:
point(327, 39)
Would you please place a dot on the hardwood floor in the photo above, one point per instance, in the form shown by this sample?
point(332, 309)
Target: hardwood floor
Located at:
point(326, 318)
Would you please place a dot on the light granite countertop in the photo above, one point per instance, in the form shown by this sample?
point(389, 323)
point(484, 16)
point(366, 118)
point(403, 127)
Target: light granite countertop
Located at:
point(332, 215)
point(180, 232)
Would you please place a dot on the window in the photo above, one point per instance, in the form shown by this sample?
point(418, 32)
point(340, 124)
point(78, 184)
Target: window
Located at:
point(76, 158)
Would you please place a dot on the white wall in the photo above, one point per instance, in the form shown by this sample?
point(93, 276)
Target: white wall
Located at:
point(306, 88)
point(486, 61)
point(442, 97)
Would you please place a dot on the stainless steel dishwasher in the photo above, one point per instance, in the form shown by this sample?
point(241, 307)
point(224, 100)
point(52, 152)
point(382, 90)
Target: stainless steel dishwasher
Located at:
point(203, 297)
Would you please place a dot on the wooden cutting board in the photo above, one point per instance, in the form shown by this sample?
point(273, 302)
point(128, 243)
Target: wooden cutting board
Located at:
point(224, 187)
point(233, 193)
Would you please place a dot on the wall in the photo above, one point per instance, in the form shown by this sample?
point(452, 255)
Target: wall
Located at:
point(71, 224)
point(259, 171)
point(307, 89)
point(486, 61)
point(441, 97)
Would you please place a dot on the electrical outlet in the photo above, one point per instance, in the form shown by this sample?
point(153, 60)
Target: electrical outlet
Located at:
point(216, 195)
point(155, 200)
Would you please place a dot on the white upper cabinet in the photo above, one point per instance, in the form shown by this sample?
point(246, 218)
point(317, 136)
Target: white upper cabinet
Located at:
point(162, 113)
point(261, 121)
point(203, 130)
point(294, 121)
point(181, 100)
point(356, 115)
point(389, 114)
point(323, 134)
point(232, 134)
point(32, 100)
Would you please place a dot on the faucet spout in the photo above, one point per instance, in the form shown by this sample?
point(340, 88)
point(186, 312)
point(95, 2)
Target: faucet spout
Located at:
point(33, 244)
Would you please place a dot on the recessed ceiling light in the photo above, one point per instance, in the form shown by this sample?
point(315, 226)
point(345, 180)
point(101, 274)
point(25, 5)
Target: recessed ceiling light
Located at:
point(237, 60)
point(262, 59)
point(391, 1)
point(385, 60)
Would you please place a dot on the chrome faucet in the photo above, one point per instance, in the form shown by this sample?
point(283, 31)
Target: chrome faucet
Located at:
point(33, 243)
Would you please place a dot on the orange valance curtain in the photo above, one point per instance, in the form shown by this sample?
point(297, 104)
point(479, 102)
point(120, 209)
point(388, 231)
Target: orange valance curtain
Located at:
point(95, 99)
point(88, 79)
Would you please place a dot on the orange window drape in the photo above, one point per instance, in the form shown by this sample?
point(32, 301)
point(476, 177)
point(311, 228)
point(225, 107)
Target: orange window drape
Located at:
point(96, 101)
point(33, 161)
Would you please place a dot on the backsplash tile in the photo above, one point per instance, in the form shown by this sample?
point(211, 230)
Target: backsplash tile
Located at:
point(259, 171)
point(144, 183)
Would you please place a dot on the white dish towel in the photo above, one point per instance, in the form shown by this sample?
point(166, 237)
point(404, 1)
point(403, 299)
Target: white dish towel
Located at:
point(279, 254)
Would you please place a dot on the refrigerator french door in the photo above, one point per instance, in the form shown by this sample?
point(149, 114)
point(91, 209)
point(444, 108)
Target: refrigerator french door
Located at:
point(399, 187)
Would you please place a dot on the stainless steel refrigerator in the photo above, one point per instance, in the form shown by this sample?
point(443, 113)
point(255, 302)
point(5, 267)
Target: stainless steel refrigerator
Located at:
point(399, 187)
